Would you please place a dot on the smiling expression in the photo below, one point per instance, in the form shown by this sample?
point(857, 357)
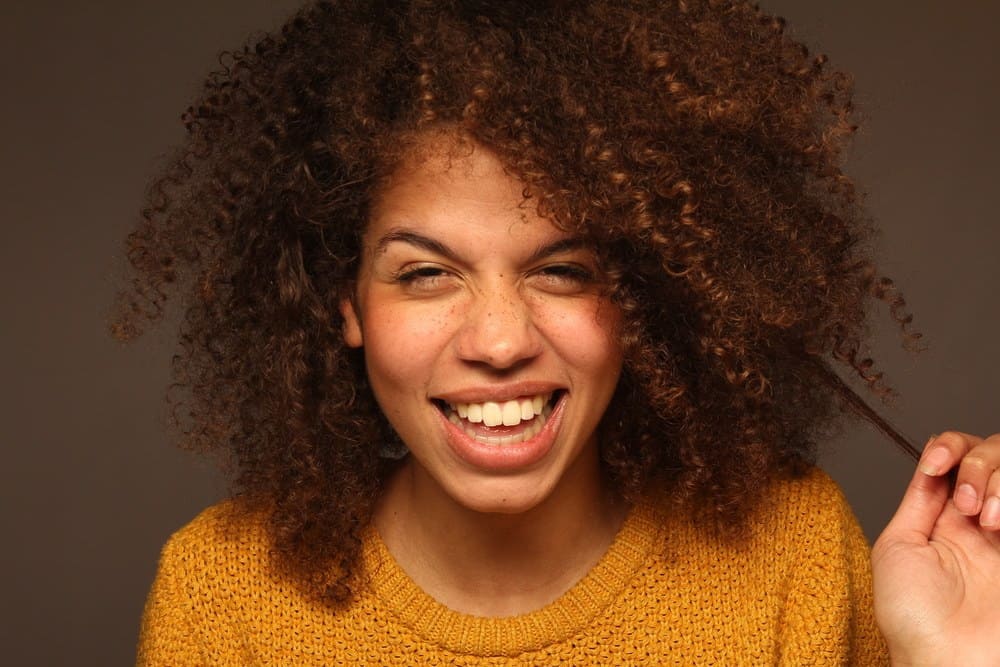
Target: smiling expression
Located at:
point(487, 341)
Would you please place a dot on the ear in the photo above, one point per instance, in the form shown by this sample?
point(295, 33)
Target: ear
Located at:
point(352, 323)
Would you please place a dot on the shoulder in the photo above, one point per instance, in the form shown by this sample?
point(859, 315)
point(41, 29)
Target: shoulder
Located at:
point(212, 576)
point(810, 498)
point(807, 518)
point(811, 494)
point(806, 512)
point(795, 516)
point(813, 484)
point(230, 522)
point(226, 539)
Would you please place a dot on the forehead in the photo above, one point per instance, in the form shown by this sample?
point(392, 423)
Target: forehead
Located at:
point(450, 187)
point(437, 169)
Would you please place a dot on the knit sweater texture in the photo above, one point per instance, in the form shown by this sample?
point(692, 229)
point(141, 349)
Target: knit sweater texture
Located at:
point(795, 591)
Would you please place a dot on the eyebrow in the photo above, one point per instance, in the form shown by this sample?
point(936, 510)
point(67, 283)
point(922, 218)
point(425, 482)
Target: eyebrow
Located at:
point(556, 247)
point(432, 245)
point(415, 239)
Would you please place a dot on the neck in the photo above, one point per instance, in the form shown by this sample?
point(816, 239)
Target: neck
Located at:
point(492, 564)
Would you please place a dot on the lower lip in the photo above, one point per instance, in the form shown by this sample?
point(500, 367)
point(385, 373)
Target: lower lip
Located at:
point(504, 458)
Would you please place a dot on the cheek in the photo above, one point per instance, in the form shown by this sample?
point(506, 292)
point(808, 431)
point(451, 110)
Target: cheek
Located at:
point(402, 343)
point(584, 332)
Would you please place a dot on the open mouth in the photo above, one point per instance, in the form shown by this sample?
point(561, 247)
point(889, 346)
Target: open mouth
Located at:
point(502, 422)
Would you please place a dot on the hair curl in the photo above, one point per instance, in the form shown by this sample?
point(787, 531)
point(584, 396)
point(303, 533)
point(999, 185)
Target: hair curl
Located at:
point(692, 142)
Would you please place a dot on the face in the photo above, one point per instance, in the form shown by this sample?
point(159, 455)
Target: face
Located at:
point(488, 343)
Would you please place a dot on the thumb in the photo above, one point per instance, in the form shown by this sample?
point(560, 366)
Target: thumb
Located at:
point(918, 512)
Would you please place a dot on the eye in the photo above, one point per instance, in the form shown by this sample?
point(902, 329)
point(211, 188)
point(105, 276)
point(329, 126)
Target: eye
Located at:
point(412, 275)
point(564, 278)
point(424, 278)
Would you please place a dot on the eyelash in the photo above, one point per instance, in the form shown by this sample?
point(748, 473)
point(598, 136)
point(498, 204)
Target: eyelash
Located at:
point(572, 274)
point(410, 276)
point(569, 271)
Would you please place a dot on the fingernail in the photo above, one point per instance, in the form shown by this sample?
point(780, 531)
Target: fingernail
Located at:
point(991, 513)
point(966, 499)
point(934, 463)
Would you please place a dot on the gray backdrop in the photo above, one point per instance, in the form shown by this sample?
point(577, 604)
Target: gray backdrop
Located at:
point(92, 93)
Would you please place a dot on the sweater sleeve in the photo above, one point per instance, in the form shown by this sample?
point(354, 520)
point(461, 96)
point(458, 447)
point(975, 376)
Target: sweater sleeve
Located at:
point(828, 617)
point(167, 635)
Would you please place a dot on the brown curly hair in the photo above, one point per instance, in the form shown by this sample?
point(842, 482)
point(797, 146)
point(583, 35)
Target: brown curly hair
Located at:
point(692, 142)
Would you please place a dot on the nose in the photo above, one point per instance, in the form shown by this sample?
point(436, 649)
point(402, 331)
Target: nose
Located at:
point(499, 330)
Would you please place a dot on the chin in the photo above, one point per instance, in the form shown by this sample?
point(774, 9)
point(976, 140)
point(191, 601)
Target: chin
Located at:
point(502, 496)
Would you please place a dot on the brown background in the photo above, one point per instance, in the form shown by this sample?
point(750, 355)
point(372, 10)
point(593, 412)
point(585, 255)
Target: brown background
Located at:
point(92, 93)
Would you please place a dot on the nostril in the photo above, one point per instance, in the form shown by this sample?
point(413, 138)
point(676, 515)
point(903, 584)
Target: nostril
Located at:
point(500, 336)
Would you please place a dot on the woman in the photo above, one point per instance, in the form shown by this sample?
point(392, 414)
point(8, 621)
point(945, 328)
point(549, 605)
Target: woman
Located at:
point(517, 323)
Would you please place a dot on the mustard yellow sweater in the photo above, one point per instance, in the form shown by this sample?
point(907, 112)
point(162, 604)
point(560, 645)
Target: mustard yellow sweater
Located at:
point(797, 592)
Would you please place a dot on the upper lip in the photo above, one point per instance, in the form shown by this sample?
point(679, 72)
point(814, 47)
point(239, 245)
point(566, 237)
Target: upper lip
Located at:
point(497, 393)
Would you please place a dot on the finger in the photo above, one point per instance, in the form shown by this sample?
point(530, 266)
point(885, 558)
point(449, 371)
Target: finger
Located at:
point(964, 534)
point(943, 452)
point(924, 500)
point(974, 474)
point(990, 518)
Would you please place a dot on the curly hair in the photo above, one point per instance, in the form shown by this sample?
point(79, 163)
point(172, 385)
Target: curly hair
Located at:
point(692, 143)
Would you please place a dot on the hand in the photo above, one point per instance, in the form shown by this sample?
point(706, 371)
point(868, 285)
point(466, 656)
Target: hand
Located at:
point(936, 567)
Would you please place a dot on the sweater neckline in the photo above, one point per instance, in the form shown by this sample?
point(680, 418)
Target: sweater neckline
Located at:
point(566, 616)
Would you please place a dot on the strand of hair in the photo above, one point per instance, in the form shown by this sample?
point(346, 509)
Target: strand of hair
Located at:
point(860, 407)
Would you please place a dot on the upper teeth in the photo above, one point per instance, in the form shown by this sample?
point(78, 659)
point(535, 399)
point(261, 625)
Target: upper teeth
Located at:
point(508, 413)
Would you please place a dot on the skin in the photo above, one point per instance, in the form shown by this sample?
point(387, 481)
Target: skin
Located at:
point(936, 566)
point(490, 312)
point(464, 293)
